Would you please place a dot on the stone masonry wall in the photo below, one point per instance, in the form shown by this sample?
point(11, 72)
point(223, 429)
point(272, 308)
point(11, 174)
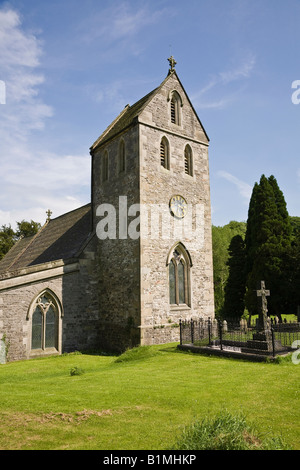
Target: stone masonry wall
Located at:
point(158, 185)
point(118, 259)
point(76, 291)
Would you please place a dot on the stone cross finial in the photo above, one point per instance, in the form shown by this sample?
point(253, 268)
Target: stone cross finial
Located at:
point(49, 213)
point(263, 293)
point(172, 63)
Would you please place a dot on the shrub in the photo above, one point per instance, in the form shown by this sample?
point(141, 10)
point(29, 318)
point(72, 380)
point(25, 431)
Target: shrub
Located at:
point(225, 432)
point(76, 371)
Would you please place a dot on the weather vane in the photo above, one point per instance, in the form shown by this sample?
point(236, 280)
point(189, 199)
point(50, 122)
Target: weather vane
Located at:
point(172, 63)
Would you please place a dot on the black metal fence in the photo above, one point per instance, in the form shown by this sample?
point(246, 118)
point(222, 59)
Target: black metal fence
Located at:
point(233, 335)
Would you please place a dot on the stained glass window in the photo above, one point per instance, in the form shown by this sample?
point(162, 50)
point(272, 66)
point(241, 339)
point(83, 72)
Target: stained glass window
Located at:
point(51, 328)
point(179, 277)
point(44, 323)
point(181, 283)
point(172, 283)
point(37, 327)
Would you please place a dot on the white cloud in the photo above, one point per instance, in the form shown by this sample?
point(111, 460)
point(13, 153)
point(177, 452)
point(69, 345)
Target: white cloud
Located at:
point(219, 84)
point(31, 180)
point(122, 20)
point(37, 211)
point(20, 52)
point(244, 188)
point(16, 46)
point(243, 70)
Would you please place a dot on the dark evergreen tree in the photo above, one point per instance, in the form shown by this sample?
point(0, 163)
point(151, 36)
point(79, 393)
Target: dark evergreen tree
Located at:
point(235, 288)
point(268, 240)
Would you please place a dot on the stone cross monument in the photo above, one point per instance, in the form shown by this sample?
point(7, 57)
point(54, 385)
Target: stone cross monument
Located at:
point(263, 317)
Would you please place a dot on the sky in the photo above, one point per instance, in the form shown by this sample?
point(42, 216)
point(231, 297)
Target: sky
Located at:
point(67, 69)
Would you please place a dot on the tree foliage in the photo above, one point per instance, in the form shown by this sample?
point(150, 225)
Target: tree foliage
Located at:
point(221, 238)
point(268, 243)
point(7, 239)
point(267, 248)
point(26, 229)
point(8, 236)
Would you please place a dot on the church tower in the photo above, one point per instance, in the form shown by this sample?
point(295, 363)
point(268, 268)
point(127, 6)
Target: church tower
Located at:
point(152, 216)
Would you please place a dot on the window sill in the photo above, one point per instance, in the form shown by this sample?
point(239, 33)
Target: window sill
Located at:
point(43, 352)
point(175, 307)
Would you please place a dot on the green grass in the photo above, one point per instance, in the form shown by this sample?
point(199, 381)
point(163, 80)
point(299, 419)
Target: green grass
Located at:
point(226, 432)
point(144, 399)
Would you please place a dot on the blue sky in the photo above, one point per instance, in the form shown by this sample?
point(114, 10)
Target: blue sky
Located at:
point(69, 67)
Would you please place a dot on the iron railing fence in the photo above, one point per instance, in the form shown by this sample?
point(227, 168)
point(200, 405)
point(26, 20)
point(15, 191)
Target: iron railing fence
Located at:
point(239, 336)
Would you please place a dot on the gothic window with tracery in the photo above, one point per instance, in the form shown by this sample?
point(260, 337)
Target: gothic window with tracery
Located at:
point(179, 277)
point(44, 333)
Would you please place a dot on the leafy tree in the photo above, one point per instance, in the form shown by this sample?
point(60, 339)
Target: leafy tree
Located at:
point(26, 229)
point(8, 236)
point(221, 238)
point(268, 240)
point(234, 303)
point(7, 239)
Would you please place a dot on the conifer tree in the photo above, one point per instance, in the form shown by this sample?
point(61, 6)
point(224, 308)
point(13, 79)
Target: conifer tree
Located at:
point(268, 240)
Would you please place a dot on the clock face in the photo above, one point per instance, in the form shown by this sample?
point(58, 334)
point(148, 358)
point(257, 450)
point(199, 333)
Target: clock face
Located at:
point(178, 206)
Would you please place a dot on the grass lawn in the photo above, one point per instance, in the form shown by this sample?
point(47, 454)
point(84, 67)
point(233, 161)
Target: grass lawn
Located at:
point(142, 401)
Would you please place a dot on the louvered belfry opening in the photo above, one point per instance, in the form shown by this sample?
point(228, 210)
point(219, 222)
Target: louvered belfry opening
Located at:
point(173, 111)
point(163, 154)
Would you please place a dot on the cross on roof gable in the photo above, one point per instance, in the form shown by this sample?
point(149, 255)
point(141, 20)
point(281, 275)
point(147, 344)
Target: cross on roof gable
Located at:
point(130, 114)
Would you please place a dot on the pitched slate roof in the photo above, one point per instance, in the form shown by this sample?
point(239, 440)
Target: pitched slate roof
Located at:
point(60, 238)
point(131, 113)
point(123, 120)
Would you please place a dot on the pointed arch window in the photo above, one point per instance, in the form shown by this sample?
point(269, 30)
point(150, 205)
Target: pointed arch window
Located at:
point(188, 161)
point(179, 265)
point(45, 323)
point(165, 153)
point(121, 158)
point(175, 105)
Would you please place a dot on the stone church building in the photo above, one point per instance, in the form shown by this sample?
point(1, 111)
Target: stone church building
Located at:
point(124, 269)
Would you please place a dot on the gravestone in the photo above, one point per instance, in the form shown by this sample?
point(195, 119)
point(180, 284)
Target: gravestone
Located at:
point(2, 352)
point(263, 293)
point(262, 342)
